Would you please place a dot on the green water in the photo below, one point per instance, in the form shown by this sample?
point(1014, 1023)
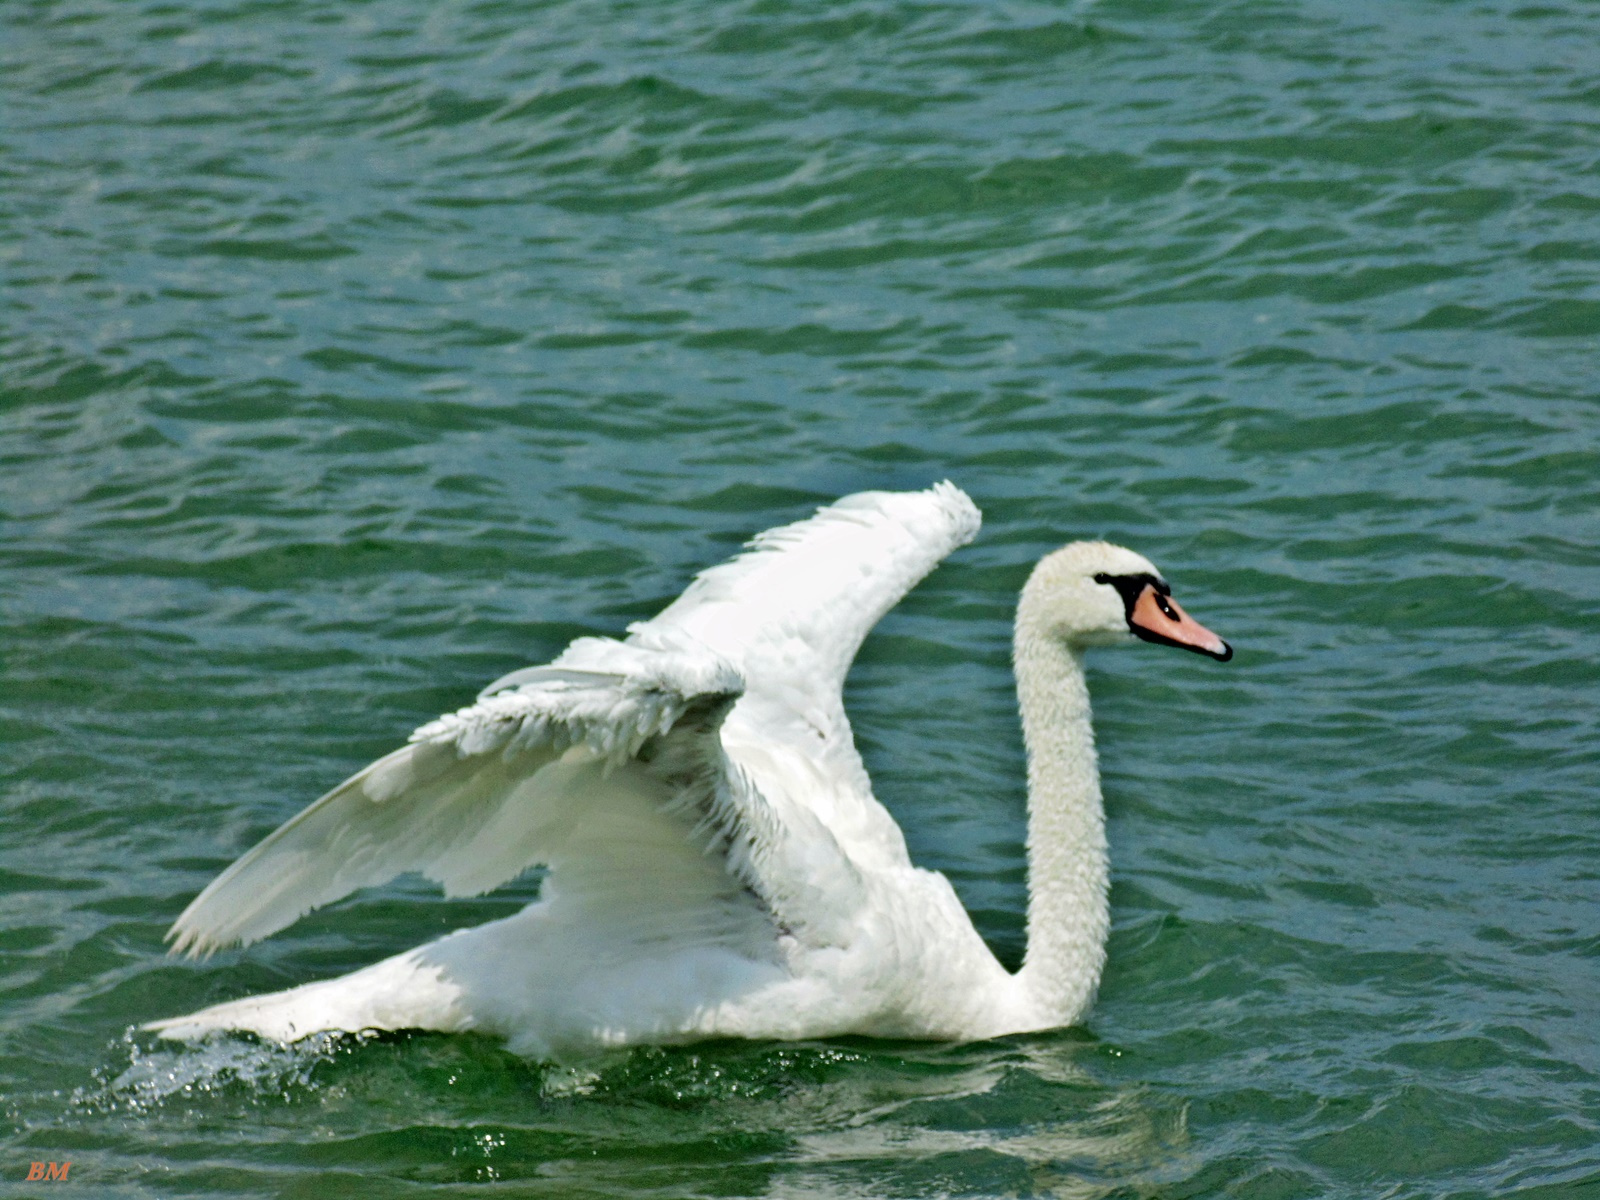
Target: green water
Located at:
point(354, 354)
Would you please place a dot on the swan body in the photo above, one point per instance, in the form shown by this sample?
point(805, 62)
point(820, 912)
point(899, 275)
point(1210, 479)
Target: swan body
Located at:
point(718, 865)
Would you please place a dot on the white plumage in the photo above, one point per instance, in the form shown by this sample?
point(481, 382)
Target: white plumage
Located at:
point(718, 864)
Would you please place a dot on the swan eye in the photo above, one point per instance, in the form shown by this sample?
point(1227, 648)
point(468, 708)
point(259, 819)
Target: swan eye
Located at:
point(1166, 609)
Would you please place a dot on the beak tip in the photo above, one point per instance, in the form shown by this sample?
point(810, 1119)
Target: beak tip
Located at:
point(1224, 654)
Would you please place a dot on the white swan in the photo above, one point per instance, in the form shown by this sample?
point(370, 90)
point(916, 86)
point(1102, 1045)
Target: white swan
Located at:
point(718, 864)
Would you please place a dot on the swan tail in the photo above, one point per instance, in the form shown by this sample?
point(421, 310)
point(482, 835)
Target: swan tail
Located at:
point(397, 993)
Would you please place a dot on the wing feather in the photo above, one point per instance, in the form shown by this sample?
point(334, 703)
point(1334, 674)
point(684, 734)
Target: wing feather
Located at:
point(816, 588)
point(470, 802)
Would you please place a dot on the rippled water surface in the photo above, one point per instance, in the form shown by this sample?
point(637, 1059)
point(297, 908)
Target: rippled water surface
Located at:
point(353, 354)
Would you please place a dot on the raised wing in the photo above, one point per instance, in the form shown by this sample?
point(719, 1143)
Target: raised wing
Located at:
point(608, 760)
point(790, 614)
point(703, 766)
point(795, 607)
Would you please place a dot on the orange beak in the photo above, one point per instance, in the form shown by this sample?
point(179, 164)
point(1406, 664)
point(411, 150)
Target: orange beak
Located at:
point(1156, 617)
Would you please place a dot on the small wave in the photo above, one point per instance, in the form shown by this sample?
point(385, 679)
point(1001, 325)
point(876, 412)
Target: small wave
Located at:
point(216, 1067)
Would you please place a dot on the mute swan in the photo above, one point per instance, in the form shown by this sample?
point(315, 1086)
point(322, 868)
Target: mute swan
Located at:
point(718, 864)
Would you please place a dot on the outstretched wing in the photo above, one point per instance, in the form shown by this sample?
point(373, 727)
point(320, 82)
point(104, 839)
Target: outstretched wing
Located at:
point(703, 766)
point(789, 614)
point(792, 610)
point(606, 762)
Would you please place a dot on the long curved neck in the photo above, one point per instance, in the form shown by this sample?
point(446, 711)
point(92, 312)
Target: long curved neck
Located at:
point(1068, 875)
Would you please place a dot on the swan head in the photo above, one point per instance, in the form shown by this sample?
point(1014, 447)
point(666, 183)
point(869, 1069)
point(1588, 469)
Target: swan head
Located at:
point(1097, 594)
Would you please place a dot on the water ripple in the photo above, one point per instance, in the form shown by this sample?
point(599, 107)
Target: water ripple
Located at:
point(352, 356)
